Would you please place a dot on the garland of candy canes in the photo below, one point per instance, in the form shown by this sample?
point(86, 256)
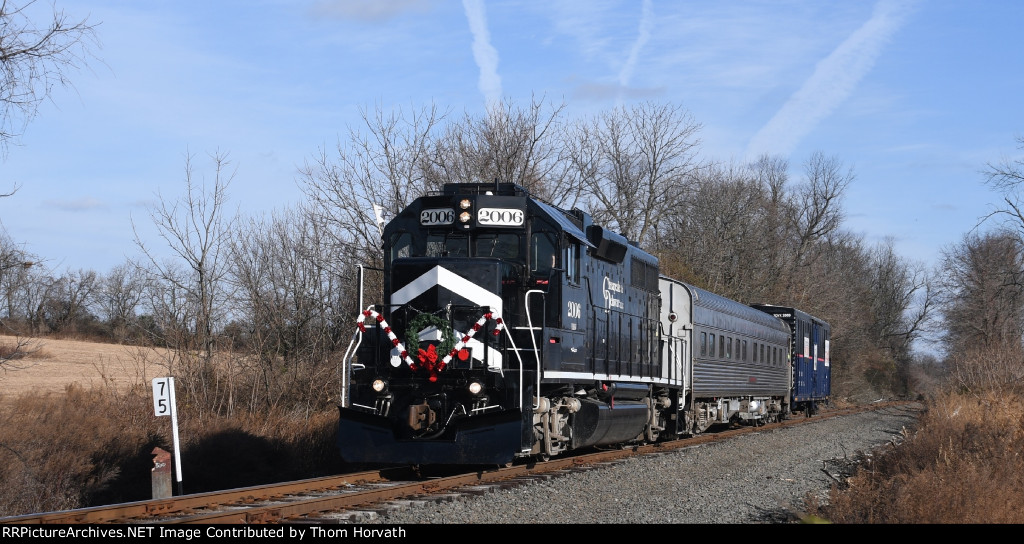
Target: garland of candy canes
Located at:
point(428, 358)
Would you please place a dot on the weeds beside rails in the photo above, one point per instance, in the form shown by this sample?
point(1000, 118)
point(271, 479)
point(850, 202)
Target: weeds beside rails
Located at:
point(962, 464)
point(89, 447)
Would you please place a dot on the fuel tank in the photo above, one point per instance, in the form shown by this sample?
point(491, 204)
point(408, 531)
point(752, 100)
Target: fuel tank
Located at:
point(599, 423)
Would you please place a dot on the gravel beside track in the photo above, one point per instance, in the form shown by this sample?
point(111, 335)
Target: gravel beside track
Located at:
point(755, 478)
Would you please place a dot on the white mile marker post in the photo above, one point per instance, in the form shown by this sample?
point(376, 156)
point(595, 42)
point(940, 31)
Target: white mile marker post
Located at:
point(164, 405)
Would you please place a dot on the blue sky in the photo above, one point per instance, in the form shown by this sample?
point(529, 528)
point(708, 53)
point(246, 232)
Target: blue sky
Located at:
point(915, 96)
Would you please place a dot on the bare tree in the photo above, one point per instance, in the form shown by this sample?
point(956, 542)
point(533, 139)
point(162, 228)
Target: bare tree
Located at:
point(732, 227)
point(632, 164)
point(119, 297)
point(718, 229)
point(382, 167)
point(510, 144)
point(818, 202)
point(1006, 177)
point(983, 291)
point(903, 299)
point(30, 299)
point(189, 292)
point(67, 307)
point(15, 263)
point(288, 305)
point(772, 175)
point(983, 309)
point(34, 59)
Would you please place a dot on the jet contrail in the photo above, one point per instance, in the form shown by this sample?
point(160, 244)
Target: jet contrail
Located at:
point(646, 23)
point(484, 53)
point(834, 79)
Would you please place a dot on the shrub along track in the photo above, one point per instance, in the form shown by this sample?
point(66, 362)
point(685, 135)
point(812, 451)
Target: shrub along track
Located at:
point(352, 497)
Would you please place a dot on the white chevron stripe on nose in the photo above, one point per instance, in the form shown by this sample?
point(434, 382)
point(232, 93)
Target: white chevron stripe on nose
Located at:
point(451, 281)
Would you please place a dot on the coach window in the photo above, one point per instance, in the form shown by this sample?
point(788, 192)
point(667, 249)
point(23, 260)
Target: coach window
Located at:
point(728, 348)
point(712, 345)
point(762, 353)
point(755, 352)
point(744, 350)
point(703, 343)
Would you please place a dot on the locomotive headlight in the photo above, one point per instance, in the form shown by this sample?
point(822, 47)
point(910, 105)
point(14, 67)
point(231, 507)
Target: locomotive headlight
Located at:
point(465, 204)
point(465, 217)
point(475, 388)
point(379, 385)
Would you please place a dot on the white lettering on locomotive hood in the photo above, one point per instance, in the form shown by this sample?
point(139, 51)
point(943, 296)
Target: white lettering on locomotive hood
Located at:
point(610, 288)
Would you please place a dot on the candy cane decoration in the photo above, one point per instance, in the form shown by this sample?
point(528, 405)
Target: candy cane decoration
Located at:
point(491, 314)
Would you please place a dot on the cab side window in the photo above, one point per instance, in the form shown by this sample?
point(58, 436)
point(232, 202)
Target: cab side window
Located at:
point(572, 262)
point(543, 254)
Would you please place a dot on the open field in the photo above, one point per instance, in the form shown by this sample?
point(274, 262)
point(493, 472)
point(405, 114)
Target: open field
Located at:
point(54, 364)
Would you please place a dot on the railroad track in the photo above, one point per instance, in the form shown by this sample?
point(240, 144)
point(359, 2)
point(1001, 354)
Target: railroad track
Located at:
point(360, 496)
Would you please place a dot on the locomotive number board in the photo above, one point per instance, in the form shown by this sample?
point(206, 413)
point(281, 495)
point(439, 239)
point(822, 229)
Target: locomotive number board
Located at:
point(437, 216)
point(500, 217)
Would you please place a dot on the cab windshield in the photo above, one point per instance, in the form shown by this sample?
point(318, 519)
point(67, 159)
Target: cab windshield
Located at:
point(499, 245)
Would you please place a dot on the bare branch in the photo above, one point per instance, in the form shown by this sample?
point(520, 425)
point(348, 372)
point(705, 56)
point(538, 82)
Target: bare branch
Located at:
point(36, 59)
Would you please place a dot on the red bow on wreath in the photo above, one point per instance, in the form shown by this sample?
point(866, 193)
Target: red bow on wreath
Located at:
point(428, 360)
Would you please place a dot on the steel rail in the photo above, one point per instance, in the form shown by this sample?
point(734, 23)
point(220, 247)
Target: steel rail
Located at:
point(313, 499)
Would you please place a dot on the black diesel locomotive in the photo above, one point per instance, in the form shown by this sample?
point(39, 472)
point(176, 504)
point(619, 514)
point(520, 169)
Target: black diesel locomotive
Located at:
point(513, 329)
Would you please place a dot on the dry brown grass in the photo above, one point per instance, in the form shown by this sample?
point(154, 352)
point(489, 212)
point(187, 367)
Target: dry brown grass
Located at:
point(91, 447)
point(66, 451)
point(962, 465)
point(77, 429)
